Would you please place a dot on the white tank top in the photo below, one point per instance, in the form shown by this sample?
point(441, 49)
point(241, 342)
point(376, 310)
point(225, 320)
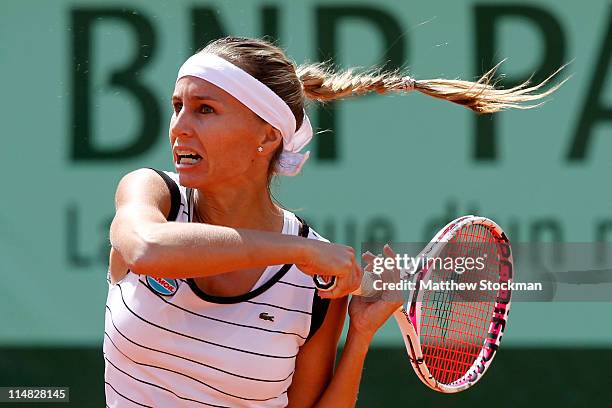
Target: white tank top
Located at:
point(168, 344)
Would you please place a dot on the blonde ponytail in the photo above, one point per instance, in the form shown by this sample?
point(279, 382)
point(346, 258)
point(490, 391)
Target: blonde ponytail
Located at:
point(322, 83)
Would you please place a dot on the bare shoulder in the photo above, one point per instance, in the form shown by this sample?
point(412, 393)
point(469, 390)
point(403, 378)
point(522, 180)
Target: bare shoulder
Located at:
point(142, 196)
point(143, 187)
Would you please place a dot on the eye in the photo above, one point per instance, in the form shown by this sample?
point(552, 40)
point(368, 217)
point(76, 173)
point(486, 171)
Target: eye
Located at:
point(177, 107)
point(206, 109)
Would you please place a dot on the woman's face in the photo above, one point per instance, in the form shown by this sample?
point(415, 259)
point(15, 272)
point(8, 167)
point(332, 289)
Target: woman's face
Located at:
point(214, 137)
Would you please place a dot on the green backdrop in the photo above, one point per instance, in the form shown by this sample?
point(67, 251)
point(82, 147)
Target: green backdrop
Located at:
point(86, 88)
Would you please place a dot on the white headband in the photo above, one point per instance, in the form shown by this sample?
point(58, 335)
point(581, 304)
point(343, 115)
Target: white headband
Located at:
point(261, 100)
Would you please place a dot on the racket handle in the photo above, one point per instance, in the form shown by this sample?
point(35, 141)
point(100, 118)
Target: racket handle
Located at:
point(324, 284)
point(366, 289)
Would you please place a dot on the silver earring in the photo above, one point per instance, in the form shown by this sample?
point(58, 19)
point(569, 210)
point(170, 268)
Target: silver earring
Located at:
point(260, 149)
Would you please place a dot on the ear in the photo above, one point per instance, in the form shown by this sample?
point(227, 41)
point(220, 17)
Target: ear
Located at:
point(270, 139)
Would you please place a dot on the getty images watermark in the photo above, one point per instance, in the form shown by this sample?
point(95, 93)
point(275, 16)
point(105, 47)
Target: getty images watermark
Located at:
point(449, 267)
point(541, 272)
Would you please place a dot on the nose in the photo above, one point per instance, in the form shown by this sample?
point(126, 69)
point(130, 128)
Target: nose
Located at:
point(180, 125)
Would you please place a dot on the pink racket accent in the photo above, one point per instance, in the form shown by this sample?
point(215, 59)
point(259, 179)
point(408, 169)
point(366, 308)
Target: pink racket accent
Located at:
point(453, 335)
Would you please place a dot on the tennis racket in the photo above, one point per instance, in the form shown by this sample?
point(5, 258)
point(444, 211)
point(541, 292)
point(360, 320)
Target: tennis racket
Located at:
point(452, 335)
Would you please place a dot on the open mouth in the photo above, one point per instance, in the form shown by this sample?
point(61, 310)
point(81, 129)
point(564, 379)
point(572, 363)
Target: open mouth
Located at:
point(187, 157)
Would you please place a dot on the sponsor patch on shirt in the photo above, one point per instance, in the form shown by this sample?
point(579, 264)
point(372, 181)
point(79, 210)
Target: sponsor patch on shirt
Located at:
point(163, 286)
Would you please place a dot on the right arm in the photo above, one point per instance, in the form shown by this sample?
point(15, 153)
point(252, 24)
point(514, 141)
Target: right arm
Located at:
point(152, 246)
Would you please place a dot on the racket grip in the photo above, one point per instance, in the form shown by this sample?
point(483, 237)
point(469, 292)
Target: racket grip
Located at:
point(366, 289)
point(324, 284)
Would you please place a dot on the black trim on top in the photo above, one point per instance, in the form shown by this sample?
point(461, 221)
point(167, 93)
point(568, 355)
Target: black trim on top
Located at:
point(175, 194)
point(189, 193)
point(319, 305)
point(319, 311)
point(160, 297)
point(304, 230)
point(188, 336)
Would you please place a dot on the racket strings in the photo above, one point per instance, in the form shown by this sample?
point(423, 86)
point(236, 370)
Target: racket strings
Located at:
point(462, 338)
point(466, 338)
point(454, 323)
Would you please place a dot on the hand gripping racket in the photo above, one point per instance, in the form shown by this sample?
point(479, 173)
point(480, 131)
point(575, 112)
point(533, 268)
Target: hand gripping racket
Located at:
point(452, 335)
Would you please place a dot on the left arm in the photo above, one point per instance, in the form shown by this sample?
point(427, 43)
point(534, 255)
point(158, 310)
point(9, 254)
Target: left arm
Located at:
point(315, 385)
point(314, 366)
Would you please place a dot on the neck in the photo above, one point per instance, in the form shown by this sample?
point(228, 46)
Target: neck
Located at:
point(248, 206)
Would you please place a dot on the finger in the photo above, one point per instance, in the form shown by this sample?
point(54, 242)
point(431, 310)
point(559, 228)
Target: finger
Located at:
point(333, 294)
point(348, 284)
point(336, 292)
point(389, 272)
point(388, 251)
point(368, 257)
point(357, 278)
point(327, 294)
point(394, 274)
point(391, 275)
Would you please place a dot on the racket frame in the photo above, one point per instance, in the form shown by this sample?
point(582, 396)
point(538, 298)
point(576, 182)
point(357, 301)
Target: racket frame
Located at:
point(408, 316)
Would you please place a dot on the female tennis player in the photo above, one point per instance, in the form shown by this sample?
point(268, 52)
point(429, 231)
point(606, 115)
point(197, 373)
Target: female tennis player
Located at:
point(211, 299)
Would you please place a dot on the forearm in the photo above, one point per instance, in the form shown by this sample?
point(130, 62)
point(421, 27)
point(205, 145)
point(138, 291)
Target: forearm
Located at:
point(343, 389)
point(179, 250)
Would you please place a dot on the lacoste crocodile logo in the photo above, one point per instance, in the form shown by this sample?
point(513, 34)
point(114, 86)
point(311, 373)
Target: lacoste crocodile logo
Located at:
point(265, 316)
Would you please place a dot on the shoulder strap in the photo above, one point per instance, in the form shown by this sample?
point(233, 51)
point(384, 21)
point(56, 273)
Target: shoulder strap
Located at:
point(175, 194)
point(319, 311)
point(304, 228)
point(319, 305)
